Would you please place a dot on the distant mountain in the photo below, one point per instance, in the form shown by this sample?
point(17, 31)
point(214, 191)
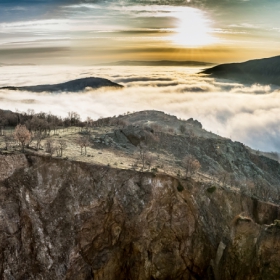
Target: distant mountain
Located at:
point(17, 64)
point(73, 86)
point(156, 63)
point(262, 71)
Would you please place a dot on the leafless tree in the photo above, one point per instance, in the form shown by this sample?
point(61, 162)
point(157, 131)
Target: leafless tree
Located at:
point(89, 123)
point(38, 136)
point(79, 142)
point(83, 142)
point(3, 123)
point(74, 118)
point(191, 165)
point(142, 148)
point(86, 143)
point(150, 159)
point(50, 146)
point(62, 146)
point(30, 112)
point(8, 140)
point(22, 135)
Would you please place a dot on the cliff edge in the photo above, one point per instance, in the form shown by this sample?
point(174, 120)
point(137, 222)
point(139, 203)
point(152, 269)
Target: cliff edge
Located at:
point(61, 219)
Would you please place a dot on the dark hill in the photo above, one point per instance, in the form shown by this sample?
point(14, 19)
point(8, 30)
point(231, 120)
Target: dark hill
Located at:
point(72, 86)
point(262, 71)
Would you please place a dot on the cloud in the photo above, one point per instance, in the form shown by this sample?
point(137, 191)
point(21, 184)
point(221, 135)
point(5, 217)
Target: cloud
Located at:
point(249, 114)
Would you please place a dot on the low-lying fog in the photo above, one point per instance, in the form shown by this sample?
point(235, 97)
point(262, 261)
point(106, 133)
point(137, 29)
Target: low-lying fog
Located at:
point(249, 114)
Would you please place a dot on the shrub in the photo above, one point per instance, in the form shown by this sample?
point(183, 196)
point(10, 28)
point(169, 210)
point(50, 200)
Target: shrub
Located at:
point(277, 223)
point(180, 188)
point(182, 128)
point(191, 165)
point(211, 189)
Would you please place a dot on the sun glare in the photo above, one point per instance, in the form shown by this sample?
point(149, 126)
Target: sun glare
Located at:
point(194, 29)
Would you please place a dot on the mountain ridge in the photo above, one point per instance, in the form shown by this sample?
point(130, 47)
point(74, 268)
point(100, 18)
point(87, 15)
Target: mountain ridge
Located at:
point(156, 63)
point(262, 71)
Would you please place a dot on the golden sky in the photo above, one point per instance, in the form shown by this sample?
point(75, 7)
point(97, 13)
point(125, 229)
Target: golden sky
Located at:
point(92, 32)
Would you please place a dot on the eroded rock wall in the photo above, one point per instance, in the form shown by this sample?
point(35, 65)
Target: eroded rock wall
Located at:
point(71, 220)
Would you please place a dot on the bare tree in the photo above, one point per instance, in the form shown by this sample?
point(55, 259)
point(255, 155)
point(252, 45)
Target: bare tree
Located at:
point(89, 123)
point(80, 144)
point(150, 159)
point(86, 143)
point(50, 146)
point(3, 123)
point(8, 139)
point(62, 146)
point(22, 135)
point(74, 118)
point(38, 136)
point(142, 154)
point(191, 165)
point(83, 142)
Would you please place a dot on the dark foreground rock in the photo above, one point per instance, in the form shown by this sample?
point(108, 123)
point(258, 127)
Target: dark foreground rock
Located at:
point(71, 220)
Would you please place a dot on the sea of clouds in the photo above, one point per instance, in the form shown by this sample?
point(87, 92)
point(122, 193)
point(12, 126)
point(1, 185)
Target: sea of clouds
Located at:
point(249, 114)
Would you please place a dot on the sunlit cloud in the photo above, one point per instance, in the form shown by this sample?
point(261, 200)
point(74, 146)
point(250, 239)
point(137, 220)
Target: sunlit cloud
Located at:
point(194, 28)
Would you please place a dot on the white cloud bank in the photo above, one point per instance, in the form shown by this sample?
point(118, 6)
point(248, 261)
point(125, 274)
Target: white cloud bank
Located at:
point(249, 114)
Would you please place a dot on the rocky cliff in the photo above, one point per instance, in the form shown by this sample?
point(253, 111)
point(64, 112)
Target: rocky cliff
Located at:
point(72, 220)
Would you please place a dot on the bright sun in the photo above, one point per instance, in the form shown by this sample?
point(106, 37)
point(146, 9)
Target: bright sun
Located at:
point(194, 29)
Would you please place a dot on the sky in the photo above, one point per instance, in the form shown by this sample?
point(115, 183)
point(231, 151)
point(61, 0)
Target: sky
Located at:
point(78, 32)
point(76, 35)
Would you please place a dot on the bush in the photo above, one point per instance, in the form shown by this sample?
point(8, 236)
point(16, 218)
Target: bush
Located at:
point(277, 223)
point(211, 189)
point(182, 128)
point(180, 188)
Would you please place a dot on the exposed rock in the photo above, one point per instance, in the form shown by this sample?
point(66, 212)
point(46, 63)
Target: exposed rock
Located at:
point(194, 123)
point(71, 220)
point(8, 164)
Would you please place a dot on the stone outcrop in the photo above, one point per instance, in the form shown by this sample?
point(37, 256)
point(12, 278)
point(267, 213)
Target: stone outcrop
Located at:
point(71, 220)
point(8, 164)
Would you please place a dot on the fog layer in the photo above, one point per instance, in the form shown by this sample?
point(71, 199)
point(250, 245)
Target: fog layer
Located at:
point(249, 114)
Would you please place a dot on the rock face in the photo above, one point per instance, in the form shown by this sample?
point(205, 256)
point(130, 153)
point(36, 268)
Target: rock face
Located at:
point(8, 164)
point(71, 220)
